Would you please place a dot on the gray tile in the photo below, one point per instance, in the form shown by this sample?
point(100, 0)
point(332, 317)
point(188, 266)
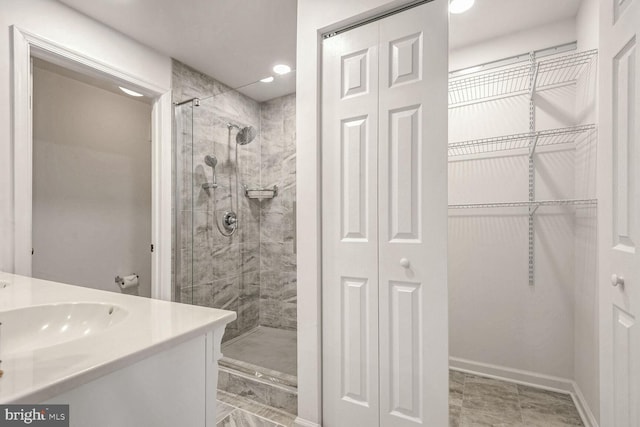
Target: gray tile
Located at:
point(456, 388)
point(264, 411)
point(541, 395)
point(475, 418)
point(492, 397)
point(549, 413)
point(454, 415)
point(272, 348)
point(240, 418)
point(223, 410)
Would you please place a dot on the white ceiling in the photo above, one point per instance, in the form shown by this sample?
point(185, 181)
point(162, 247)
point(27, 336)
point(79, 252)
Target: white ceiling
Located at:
point(238, 41)
point(235, 41)
point(489, 19)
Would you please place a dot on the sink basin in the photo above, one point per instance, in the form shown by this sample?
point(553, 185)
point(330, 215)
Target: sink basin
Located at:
point(35, 327)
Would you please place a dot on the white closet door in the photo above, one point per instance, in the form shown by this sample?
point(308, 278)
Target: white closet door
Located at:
point(350, 228)
point(412, 162)
point(619, 213)
point(384, 166)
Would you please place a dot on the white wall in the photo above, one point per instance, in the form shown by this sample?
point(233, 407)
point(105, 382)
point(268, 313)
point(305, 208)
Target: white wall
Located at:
point(91, 184)
point(495, 316)
point(515, 44)
point(53, 21)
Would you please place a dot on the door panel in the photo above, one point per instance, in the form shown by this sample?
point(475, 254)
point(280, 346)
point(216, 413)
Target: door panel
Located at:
point(384, 160)
point(619, 210)
point(350, 228)
point(413, 217)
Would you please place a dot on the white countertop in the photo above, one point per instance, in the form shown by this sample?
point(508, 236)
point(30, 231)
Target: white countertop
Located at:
point(149, 327)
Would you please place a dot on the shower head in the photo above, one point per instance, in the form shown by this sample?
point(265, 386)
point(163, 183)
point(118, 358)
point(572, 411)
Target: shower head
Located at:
point(245, 135)
point(210, 160)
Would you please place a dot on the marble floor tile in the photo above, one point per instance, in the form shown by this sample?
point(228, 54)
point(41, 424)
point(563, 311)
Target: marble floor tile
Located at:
point(454, 415)
point(474, 418)
point(474, 402)
point(456, 388)
point(240, 418)
point(223, 410)
point(273, 414)
point(492, 398)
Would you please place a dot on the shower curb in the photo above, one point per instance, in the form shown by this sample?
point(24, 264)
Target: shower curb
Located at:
point(278, 396)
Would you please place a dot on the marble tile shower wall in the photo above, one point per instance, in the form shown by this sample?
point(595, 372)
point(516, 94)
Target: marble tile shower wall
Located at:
point(213, 270)
point(278, 298)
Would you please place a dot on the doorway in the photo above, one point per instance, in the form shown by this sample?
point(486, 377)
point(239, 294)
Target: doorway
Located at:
point(91, 181)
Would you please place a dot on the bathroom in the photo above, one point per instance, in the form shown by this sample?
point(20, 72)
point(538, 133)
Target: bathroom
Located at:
point(240, 199)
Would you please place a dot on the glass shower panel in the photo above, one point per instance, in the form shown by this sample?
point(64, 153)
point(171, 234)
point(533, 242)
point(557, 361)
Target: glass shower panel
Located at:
point(183, 195)
point(225, 223)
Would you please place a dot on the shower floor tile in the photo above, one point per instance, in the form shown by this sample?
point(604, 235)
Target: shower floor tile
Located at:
point(270, 348)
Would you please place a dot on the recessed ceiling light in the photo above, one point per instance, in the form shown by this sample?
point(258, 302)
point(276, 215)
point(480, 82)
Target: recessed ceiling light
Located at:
point(129, 91)
point(267, 79)
point(281, 69)
point(460, 6)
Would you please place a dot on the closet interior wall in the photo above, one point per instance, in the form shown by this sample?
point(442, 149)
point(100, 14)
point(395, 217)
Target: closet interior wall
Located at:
point(499, 323)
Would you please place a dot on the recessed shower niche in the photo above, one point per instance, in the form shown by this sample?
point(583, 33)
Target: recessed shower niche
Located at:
point(234, 169)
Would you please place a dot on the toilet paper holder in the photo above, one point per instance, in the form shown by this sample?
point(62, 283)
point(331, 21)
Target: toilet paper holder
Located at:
point(120, 280)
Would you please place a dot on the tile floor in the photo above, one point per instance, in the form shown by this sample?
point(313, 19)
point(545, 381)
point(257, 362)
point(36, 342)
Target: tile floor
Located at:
point(270, 348)
point(473, 402)
point(478, 401)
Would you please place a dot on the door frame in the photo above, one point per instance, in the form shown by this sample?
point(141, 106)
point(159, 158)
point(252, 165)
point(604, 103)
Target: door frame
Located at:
point(25, 45)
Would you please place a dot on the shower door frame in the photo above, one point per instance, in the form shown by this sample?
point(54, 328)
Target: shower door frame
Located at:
point(27, 44)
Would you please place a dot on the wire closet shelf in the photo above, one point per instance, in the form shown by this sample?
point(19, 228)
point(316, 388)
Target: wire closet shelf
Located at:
point(527, 204)
point(574, 134)
point(516, 79)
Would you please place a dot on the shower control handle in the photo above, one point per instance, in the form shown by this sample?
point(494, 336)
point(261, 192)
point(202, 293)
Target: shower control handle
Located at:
point(404, 262)
point(617, 280)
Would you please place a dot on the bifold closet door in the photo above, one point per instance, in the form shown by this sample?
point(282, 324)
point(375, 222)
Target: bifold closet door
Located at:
point(384, 189)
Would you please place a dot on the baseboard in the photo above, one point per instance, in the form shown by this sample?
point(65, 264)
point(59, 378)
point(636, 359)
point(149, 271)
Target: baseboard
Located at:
point(301, 422)
point(584, 410)
point(547, 382)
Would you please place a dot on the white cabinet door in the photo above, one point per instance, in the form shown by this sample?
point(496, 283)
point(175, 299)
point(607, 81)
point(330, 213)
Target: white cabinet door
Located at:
point(384, 221)
point(619, 213)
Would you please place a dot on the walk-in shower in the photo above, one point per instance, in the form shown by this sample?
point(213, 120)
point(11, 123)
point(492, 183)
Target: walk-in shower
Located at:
point(235, 229)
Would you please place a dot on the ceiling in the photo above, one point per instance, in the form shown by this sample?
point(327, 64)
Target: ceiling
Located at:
point(238, 41)
point(489, 19)
point(235, 41)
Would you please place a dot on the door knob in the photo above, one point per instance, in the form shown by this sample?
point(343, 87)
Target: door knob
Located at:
point(617, 280)
point(405, 262)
